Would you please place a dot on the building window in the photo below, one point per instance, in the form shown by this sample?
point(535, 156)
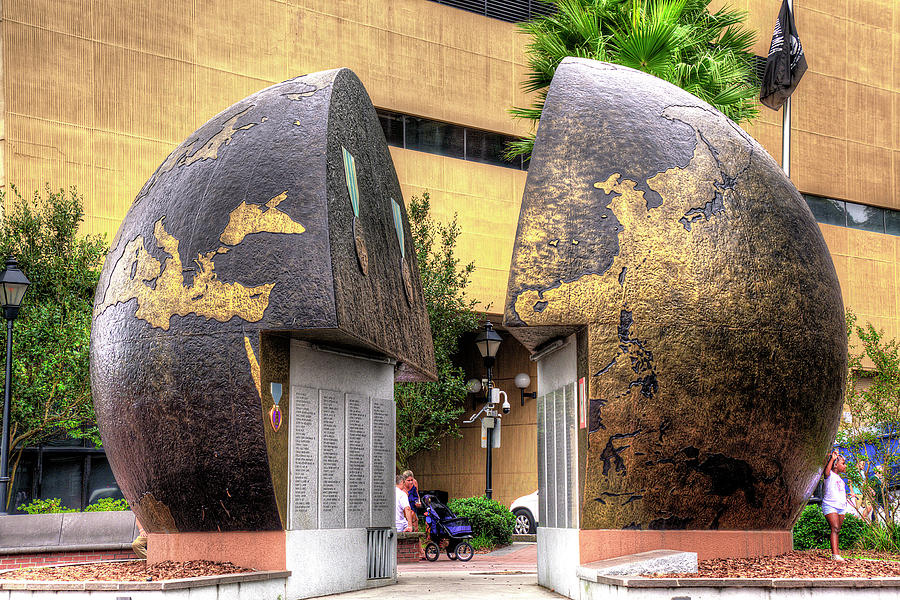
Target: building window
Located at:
point(447, 139)
point(856, 216)
point(392, 123)
point(827, 210)
point(512, 11)
point(435, 137)
point(868, 218)
point(892, 222)
point(71, 470)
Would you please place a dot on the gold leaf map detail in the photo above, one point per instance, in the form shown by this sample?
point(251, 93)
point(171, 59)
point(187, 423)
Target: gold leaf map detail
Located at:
point(644, 232)
point(254, 366)
point(186, 154)
point(250, 218)
point(210, 150)
point(160, 290)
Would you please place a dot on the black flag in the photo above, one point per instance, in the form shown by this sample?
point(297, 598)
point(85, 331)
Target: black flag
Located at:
point(785, 64)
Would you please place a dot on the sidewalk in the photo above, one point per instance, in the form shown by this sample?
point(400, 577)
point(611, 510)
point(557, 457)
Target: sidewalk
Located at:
point(517, 558)
point(509, 572)
point(461, 585)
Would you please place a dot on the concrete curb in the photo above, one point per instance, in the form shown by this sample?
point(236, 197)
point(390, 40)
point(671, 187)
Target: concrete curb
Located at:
point(166, 584)
point(689, 582)
point(60, 532)
point(73, 548)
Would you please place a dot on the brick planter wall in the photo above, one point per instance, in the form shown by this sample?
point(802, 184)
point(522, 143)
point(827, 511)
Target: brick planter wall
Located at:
point(65, 538)
point(408, 544)
point(15, 561)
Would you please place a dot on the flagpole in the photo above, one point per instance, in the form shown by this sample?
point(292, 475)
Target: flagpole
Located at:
point(786, 124)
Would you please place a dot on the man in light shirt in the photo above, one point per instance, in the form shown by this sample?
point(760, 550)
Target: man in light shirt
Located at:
point(404, 514)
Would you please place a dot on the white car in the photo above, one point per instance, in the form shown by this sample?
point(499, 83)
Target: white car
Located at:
point(525, 509)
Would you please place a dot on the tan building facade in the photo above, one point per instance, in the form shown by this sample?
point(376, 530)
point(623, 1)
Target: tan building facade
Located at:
point(96, 94)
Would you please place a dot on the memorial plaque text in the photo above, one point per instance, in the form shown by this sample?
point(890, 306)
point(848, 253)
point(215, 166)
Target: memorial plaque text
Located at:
point(542, 455)
point(332, 496)
point(570, 425)
point(358, 431)
point(382, 462)
point(304, 457)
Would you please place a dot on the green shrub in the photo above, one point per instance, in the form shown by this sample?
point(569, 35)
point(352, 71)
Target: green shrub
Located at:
point(45, 507)
point(492, 523)
point(853, 531)
point(812, 531)
point(105, 504)
point(481, 541)
point(54, 505)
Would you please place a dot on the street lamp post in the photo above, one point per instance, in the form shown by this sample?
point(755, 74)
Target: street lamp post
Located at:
point(488, 341)
point(13, 284)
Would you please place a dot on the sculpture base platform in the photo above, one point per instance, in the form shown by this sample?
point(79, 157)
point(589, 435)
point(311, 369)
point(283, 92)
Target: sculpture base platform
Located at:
point(562, 550)
point(600, 544)
point(260, 550)
point(321, 561)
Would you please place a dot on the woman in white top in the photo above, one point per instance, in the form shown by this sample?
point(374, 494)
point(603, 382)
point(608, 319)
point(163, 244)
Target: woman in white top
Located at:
point(834, 501)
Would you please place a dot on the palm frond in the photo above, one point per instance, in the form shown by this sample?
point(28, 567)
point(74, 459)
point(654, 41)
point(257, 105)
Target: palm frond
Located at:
point(706, 53)
point(520, 147)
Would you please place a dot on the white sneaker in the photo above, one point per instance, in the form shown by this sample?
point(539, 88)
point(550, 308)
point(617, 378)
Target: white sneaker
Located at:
point(837, 558)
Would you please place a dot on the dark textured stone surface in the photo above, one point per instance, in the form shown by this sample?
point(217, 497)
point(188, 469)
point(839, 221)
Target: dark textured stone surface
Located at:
point(245, 228)
point(716, 347)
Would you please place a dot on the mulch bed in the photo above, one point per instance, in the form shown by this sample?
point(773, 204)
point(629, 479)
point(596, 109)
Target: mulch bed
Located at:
point(132, 570)
point(802, 564)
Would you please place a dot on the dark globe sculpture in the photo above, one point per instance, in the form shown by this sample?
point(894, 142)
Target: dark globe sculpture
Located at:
point(709, 313)
point(281, 218)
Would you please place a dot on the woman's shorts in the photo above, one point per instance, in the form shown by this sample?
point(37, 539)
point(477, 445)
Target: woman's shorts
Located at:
point(827, 510)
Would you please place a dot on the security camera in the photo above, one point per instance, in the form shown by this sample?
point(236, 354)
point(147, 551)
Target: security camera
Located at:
point(506, 407)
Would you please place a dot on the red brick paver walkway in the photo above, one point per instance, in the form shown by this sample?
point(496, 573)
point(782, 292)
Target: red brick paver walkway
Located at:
point(520, 557)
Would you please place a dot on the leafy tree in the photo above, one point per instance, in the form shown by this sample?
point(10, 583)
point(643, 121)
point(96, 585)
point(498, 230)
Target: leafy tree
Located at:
point(51, 394)
point(430, 411)
point(680, 41)
point(871, 435)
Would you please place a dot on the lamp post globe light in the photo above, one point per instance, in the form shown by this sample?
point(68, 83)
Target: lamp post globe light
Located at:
point(13, 284)
point(523, 380)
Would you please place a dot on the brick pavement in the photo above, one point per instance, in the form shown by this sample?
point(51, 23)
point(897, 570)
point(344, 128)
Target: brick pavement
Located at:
point(520, 557)
point(39, 559)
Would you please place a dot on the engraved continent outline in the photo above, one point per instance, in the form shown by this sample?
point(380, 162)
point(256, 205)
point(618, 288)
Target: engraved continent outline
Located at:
point(159, 287)
point(706, 182)
point(681, 191)
point(186, 154)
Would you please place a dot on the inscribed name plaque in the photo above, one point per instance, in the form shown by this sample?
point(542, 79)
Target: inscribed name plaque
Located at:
point(542, 459)
point(358, 431)
point(382, 462)
point(562, 480)
point(557, 441)
point(552, 476)
point(332, 494)
point(571, 436)
point(304, 457)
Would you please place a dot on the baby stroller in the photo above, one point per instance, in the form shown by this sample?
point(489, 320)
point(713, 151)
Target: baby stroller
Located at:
point(443, 525)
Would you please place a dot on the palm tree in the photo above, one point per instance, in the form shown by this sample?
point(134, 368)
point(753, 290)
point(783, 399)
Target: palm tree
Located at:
point(707, 54)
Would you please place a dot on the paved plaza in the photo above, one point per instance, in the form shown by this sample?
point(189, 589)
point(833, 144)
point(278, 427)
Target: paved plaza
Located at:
point(509, 572)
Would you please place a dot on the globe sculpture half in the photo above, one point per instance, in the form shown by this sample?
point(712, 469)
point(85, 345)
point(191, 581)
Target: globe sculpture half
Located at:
point(281, 218)
point(709, 311)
